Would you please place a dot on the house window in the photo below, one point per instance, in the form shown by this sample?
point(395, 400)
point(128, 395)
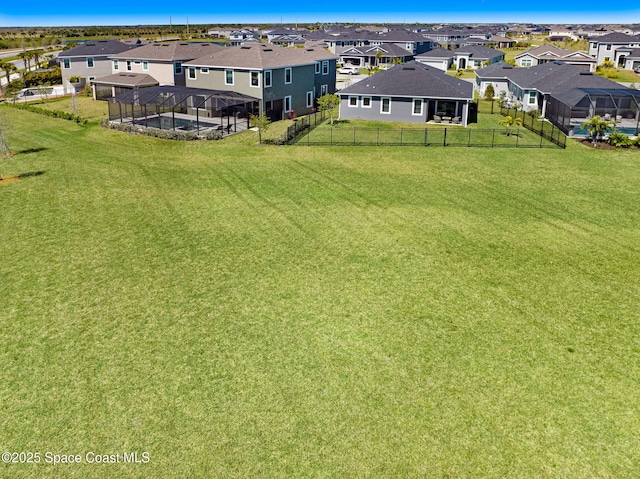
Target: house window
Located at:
point(317, 67)
point(287, 75)
point(66, 63)
point(366, 102)
point(385, 105)
point(204, 70)
point(191, 71)
point(532, 97)
point(129, 65)
point(145, 66)
point(525, 62)
point(177, 68)
point(417, 106)
point(324, 89)
point(116, 65)
point(89, 62)
point(608, 47)
point(267, 78)
point(228, 77)
point(255, 79)
point(309, 99)
point(287, 104)
point(353, 101)
point(325, 67)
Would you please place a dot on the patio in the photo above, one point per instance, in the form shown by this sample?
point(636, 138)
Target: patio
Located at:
point(183, 109)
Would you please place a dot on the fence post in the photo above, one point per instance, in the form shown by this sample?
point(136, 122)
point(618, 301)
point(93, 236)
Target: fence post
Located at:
point(354, 136)
point(444, 141)
point(425, 137)
point(469, 139)
point(401, 136)
point(493, 138)
point(331, 136)
point(517, 137)
point(378, 138)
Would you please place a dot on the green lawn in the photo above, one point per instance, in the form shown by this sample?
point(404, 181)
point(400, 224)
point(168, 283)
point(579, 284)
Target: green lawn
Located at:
point(243, 311)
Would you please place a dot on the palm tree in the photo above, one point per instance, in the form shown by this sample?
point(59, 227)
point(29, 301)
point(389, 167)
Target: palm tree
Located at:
point(509, 121)
point(597, 127)
point(8, 68)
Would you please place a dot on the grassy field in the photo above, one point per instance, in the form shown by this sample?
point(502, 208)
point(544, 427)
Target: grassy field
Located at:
point(243, 311)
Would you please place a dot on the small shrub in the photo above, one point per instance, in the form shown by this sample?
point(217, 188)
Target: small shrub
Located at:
point(619, 140)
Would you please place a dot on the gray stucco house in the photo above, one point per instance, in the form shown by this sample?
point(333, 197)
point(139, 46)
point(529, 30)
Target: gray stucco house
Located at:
point(282, 79)
point(412, 92)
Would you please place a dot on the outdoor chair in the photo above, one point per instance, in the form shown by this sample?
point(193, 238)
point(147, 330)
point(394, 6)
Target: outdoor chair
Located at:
point(456, 120)
point(437, 119)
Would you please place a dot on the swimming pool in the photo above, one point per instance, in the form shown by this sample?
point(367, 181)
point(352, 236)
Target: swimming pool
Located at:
point(166, 123)
point(626, 130)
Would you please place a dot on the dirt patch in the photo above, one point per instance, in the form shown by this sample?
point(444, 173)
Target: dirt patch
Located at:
point(8, 179)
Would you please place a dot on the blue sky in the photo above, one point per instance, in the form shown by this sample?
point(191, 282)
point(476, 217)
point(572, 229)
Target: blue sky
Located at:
point(61, 13)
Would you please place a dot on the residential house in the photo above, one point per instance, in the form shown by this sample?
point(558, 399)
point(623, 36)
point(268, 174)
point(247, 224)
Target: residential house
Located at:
point(551, 53)
point(438, 57)
point(412, 92)
point(284, 80)
point(373, 55)
point(243, 35)
point(530, 88)
point(88, 61)
point(613, 47)
point(476, 56)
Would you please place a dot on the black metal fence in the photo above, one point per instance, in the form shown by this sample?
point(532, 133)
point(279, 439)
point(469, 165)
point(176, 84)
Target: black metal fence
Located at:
point(544, 129)
point(300, 126)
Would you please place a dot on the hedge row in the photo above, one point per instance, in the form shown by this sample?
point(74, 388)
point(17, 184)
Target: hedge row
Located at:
point(162, 134)
point(52, 113)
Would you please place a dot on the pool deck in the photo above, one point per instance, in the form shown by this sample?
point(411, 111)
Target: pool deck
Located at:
point(228, 126)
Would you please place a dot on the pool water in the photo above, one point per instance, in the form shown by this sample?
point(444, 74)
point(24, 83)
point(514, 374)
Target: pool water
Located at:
point(625, 130)
point(166, 123)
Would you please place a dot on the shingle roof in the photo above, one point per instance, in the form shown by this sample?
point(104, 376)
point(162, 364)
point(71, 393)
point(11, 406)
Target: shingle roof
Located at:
point(412, 80)
point(479, 51)
point(128, 79)
point(615, 37)
point(97, 48)
point(547, 78)
point(169, 51)
point(261, 56)
point(388, 49)
point(437, 52)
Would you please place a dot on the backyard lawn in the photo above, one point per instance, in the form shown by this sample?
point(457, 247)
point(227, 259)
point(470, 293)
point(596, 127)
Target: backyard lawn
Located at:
point(244, 311)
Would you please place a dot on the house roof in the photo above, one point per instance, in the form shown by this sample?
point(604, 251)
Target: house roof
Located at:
point(575, 96)
point(551, 77)
point(479, 52)
point(615, 37)
point(412, 80)
point(175, 95)
point(97, 48)
point(388, 50)
point(261, 56)
point(437, 52)
point(171, 51)
point(553, 52)
point(128, 79)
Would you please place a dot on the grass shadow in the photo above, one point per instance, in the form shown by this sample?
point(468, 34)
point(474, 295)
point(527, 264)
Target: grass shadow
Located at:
point(31, 150)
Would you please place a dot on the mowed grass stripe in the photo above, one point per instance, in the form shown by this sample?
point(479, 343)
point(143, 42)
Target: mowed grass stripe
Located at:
point(304, 311)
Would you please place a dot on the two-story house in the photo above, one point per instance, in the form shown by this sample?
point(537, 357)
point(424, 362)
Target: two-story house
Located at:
point(149, 65)
point(88, 61)
point(284, 80)
point(613, 47)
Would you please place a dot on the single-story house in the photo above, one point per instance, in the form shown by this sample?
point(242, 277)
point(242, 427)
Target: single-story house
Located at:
point(476, 56)
point(412, 92)
point(551, 53)
point(373, 55)
point(438, 57)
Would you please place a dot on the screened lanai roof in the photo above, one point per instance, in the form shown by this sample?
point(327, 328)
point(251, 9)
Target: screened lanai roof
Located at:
point(170, 96)
point(611, 97)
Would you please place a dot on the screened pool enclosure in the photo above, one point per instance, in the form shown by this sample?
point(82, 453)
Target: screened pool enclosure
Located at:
point(183, 109)
point(571, 109)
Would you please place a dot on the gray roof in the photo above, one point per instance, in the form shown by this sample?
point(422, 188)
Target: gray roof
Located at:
point(261, 56)
point(412, 80)
point(479, 52)
point(437, 52)
point(171, 51)
point(551, 77)
point(97, 48)
point(128, 79)
point(387, 49)
point(615, 37)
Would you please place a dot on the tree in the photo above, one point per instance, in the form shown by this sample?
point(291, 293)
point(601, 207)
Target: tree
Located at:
point(261, 122)
point(8, 68)
point(597, 127)
point(509, 121)
point(329, 102)
point(489, 92)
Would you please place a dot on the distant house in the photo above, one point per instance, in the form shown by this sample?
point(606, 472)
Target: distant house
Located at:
point(89, 60)
point(412, 92)
point(373, 55)
point(551, 53)
point(476, 56)
point(438, 57)
point(613, 47)
point(284, 80)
